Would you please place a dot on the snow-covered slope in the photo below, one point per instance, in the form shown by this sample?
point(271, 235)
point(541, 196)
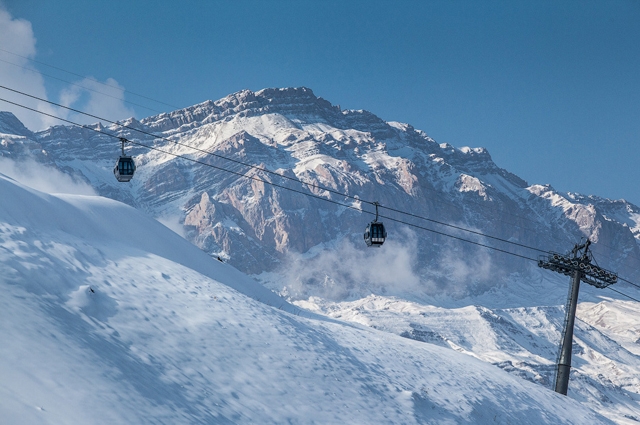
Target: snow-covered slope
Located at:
point(109, 317)
point(524, 341)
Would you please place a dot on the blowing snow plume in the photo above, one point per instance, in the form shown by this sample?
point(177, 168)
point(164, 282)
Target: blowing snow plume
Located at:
point(460, 270)
point(43, 178)
point(347, 271)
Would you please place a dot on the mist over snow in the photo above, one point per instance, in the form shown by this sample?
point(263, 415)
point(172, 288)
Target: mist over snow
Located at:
point(346, 270)
point(343, 271)
point(43, 178)
point(173, 222)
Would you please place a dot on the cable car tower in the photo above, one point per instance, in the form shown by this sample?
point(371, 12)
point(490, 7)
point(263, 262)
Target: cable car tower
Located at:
point(125, 167)
point(578, 265)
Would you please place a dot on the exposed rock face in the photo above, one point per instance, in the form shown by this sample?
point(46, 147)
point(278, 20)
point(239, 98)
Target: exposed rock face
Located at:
point(246, 215)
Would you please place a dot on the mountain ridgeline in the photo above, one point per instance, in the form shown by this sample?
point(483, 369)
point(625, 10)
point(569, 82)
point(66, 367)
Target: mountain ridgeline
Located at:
point(266, 230)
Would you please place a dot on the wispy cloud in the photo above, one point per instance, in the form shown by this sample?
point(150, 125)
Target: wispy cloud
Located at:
point(173, 222)
point(101, 99)
point(17, 71)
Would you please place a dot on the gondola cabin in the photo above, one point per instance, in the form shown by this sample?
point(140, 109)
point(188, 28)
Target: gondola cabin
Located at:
point(375, 234)
point(124, 169)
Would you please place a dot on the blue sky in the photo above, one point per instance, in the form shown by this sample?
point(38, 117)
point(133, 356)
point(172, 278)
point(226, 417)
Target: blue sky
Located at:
point(551, 88)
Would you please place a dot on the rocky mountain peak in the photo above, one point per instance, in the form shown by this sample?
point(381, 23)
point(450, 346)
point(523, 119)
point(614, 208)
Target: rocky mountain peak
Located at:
point(299, 104)
point(11, 125)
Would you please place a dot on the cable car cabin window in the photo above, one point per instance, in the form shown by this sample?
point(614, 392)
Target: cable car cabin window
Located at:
point(126, 167)
point(375, 234)
point(377, 231)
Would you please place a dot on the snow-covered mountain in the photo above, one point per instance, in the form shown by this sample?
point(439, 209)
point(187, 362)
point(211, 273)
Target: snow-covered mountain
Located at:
point(258, 227)
point(428, 287)
point(109, 317)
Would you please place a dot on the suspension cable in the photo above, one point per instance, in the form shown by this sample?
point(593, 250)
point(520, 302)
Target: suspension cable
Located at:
point(255, 178)
point(297, 180)
point(274, 184)
point(83, 77)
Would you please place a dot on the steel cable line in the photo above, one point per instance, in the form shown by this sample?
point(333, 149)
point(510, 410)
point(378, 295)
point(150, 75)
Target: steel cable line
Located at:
point(204, 151)
point(83, 87)
point(456, 237)
point(190, 159)
point(554, 236)
point(611, 248)
point(502, 211)
point(273, 172)
point(177, 107)
point(628, 281)
point(173, 106)
point(82, 76)
point(301, 192)
point(277, 174)
point(273, 184)
point(302, 182)
point(625, 280)
point(623, 294)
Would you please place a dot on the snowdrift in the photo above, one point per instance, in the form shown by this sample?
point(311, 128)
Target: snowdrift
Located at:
point(107, 316)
